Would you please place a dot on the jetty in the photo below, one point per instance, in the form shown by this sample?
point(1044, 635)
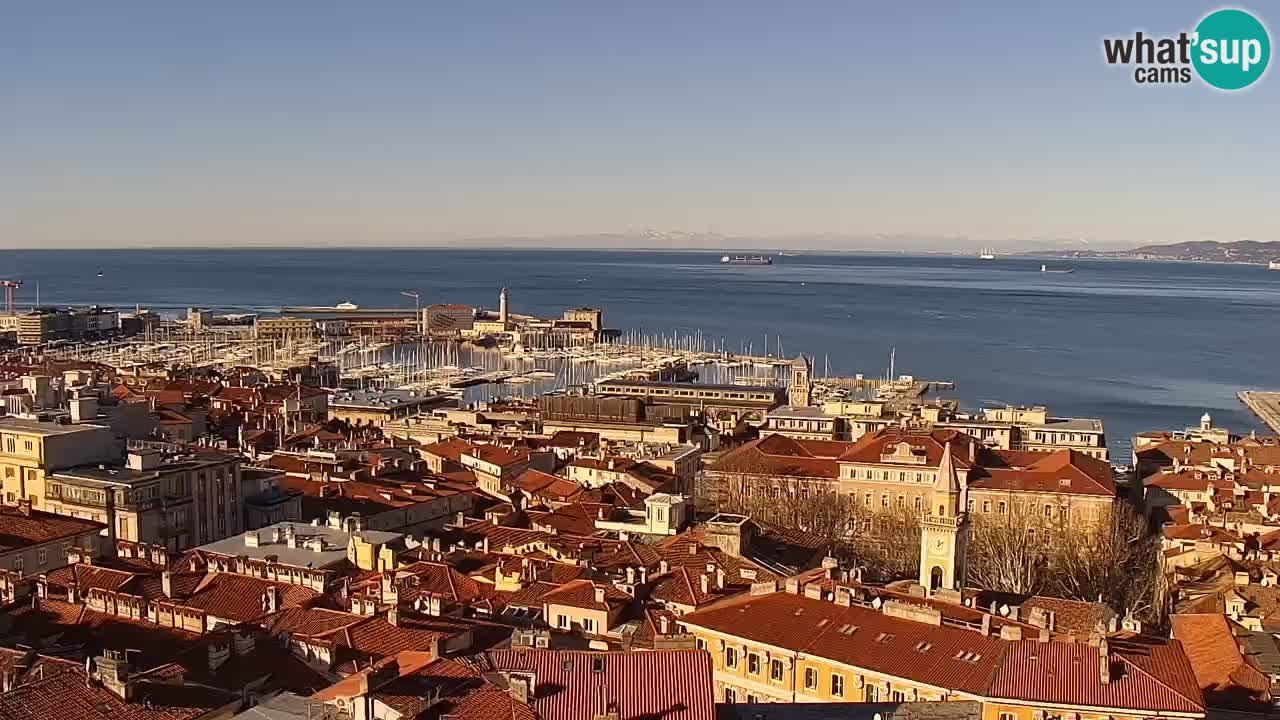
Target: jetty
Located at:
point(1265, 404)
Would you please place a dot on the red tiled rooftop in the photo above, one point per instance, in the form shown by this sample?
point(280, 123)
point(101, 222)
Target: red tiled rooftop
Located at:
point(571, 685)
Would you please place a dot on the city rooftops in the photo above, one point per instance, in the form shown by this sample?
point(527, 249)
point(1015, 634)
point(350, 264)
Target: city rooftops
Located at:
point(22, 527)
point(800, 413)
point(383, 399)
point(157, 464)
point(1072, 424)
point(657, 384)
point(296, 544)
point(43, 428)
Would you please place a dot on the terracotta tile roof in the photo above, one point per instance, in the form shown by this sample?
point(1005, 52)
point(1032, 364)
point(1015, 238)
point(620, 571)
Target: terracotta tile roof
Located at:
point(1061, 471)
point(571, 685)
point(1224, 674)
point(499, 456)
point(777, 455)
point(376, 638)
point(1150, 675)
point(683, 586)
point(542, 485)
point(573, 439)
point(582, 594)
point(451, 449)
point(1157, 676)
point(1185, 479)
point(23, 529)
point(74, 623)
point(239, 598)
point(872, 447)
point(1075, 616)
point(308, 621)
point(450, 689)
point(686, 550)
point(56, 688)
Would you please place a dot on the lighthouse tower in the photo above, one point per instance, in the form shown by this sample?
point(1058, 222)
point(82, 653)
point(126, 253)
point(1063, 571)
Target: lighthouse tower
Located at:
point(504, 304)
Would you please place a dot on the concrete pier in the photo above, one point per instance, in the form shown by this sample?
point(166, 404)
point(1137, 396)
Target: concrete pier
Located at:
point(1264, 404)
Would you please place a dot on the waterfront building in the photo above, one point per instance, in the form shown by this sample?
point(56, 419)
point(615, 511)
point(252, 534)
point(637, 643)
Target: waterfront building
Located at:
point(592, 317)
point(31, 449)
point(379, 407)
point(805, 423)
point(450, 320)
point(285, 329)
point(1002, 428)
point(45, 324)
point(175, 498)
point(621, 419)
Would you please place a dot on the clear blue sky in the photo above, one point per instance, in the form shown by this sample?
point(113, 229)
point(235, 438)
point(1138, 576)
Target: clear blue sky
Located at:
point(247, 122)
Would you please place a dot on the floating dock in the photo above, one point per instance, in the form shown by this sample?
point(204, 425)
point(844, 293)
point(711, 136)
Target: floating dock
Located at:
point(1264, 404)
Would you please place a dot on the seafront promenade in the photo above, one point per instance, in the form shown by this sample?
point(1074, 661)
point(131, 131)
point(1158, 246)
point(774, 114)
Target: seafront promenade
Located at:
point(1264, 404)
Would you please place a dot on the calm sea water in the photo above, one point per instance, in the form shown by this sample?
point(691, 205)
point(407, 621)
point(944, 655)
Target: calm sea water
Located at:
point(1141, 345)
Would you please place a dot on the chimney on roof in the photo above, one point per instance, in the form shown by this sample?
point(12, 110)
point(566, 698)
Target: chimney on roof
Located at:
point(1104, 662)
point(166, 583)
point(986, 624)
point(219, 653)
point(720, 578)
point(271, 599)
point(393, 616)
point(24, 508)
point(664, 625)
point(706, 584)
point(599, 593)
point(111, 670)
point(631, 575)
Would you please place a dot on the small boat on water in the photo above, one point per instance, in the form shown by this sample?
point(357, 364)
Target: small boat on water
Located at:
point(746, 260)
point(1045, 269)
point(1273, 265)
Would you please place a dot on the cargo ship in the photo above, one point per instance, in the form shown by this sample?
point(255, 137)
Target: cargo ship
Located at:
point(746, 260)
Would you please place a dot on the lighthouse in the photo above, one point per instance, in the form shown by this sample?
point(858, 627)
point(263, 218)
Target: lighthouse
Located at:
point(504, 302)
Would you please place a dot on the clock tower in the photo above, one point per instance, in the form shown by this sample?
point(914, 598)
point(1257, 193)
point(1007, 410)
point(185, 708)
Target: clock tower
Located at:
point(944, 530)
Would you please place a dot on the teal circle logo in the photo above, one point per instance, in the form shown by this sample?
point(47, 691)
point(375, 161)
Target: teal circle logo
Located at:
point(1231, 49)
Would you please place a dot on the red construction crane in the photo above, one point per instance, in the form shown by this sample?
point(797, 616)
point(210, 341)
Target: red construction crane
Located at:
point(10, 287)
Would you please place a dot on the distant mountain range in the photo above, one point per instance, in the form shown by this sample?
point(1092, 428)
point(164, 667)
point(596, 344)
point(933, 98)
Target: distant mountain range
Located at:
point(1249, 252)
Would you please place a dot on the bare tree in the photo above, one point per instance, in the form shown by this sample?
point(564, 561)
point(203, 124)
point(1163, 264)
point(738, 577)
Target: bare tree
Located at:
point(1007, 553)
point(1117, 560)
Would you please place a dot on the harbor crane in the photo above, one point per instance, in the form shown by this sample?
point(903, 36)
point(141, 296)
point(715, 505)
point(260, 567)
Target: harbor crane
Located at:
point(10, 287)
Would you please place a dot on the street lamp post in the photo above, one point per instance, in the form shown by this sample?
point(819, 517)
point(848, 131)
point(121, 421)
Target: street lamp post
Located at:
point(417, 308)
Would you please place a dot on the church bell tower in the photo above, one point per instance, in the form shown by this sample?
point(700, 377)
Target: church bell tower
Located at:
point(800, 388)
point(944, 530)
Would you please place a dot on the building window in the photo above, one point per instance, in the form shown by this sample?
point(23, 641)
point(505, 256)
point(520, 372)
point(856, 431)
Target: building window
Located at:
point(730, 696)
point(28, 446)
point(810, 679)
point(837, 685)
point(871, 693)
point(902, 501)
point(731, 657)
point(1048, 511)
point(919, 503)
point(562, 621)
point(42, 557)
point(1004, 509)
point(884, 500)
point(775, 670)
point(1008, 716)
point(971, 503)
point(700, 644)
point(898, 696)
point(588, 625)
point(751, 699)
point(17, 564)
point(986, 506)
point(869, 500)
point(753, 663)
